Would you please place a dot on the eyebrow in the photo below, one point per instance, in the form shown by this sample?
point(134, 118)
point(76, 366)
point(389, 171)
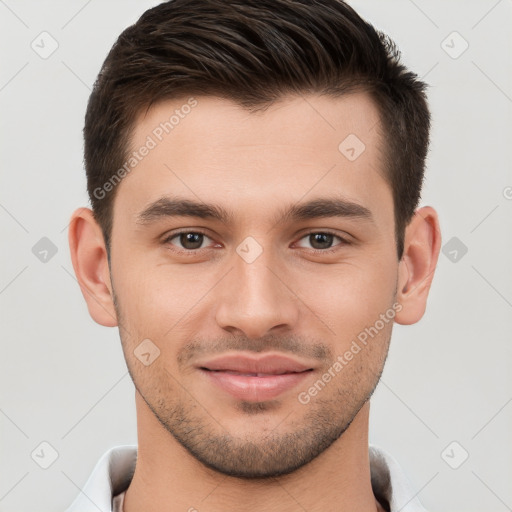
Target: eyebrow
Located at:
point(317, 208)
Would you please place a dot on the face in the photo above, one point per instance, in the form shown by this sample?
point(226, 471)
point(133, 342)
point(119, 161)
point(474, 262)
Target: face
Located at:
point(256, 323)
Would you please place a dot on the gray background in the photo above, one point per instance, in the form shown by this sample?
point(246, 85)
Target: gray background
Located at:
point(63, 378)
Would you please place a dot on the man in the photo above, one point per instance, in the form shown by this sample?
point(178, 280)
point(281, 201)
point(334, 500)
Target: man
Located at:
point(254, 170)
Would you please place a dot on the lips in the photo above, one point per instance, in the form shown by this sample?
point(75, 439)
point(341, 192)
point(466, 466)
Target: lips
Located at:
point(270, 364)
point(255, 378)
point(232, 372)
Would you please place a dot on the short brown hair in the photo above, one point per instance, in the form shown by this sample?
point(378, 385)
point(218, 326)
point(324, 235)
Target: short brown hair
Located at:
point(254, 52)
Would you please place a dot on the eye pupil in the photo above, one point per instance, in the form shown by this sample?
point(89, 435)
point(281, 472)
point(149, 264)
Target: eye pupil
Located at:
point(195, 239)
point(325, 240)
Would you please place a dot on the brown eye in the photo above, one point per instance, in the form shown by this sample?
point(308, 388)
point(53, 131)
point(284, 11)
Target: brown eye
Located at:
point(322, 241)
point(188, 240)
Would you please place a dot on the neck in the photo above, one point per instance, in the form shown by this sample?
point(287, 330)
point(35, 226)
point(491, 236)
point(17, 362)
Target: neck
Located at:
point(168, 477)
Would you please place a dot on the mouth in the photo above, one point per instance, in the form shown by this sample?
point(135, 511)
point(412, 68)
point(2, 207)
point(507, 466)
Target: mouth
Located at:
point(267, 364)
point(254, 387)
point(255, 379)
point(232, 372)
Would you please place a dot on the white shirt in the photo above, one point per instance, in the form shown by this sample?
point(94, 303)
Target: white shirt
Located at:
point(104, 489)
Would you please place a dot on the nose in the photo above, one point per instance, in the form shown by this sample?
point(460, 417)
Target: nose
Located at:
point(256, 298)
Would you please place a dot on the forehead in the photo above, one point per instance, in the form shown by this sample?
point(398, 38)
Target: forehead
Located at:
point(211, 149)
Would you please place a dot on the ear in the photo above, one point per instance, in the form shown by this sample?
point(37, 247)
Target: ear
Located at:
point(422, 244)
point(89, 257)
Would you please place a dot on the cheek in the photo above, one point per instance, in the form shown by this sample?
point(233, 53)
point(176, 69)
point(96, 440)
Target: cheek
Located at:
point(162, 302)
point(350, 297)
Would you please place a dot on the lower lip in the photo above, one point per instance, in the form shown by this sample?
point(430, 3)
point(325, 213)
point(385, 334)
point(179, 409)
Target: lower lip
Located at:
point(255, 389)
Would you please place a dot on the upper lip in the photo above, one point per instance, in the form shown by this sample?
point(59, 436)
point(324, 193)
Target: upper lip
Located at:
point(270, 364)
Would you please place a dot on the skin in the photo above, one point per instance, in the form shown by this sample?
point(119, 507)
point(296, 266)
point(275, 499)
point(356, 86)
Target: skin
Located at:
point(198, 446)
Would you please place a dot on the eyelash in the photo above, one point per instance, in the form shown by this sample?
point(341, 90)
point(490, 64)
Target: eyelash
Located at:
point(315, 251)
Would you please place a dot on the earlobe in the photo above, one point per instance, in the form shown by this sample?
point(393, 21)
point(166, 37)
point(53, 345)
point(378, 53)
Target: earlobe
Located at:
point(89, 258)
point(416, 268)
